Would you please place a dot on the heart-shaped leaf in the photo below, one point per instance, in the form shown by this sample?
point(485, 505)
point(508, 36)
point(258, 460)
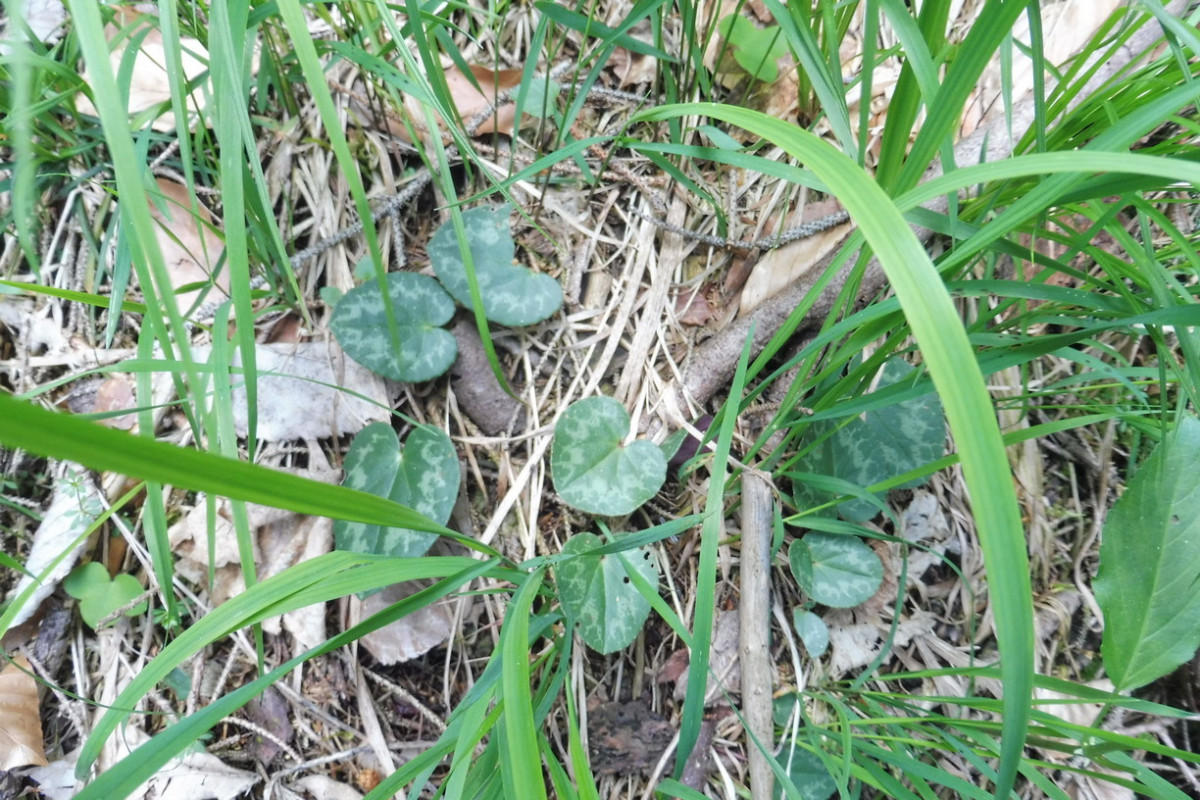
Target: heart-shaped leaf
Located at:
point(838, 571)
point(99, 596)
point(593, 470)
point(423, 476)
point(598, 595)
point(512, 295)
point(880, 444)
point(419, 306)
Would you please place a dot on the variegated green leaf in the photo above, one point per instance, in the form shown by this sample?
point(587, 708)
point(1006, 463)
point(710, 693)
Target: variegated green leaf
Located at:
point(598, 596)
point(419, 306)
point(512, 295)
point(878, 445)
point(838, 571)
point(423, 476)
point(593, 469)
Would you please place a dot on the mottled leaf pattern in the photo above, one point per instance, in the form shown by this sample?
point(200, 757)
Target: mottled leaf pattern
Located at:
point(419, 306)
point(838, 571)
point(593, 471)
point(512, 295)
point(876, 446)
point(423, 476)
point(598, 596)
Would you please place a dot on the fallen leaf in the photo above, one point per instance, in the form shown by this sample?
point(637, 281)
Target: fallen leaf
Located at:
point(312, 392)
point(149, 86)
point(116, 394)
point(20, 718)
point(75, 503)
point(783, 266)
point(632, 69)
point(189, 246)
point(725, 674)
point(326, 788)
point(195, 775)
point(281, 539)
point(693, 308)
point(408, 637)
point(468, 99)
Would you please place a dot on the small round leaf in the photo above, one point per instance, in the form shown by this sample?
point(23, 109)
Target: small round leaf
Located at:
point(423, 476)
point(593, 470)
point(419, 307)
point(596, 592)
point(838, 571)
point(813, 632)
point(512, 295)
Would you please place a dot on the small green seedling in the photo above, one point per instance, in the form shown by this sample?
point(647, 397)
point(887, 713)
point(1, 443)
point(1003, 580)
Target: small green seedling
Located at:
point(99, 595)
point(423, 476)
point(837, 571)
point(879, 445)
point(420, 308)
point(512, 295)
point(598, 596)
point(593, 469)
point(755, 49)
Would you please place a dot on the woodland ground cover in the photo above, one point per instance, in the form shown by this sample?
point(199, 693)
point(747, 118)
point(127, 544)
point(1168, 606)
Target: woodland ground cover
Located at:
point(523, 400)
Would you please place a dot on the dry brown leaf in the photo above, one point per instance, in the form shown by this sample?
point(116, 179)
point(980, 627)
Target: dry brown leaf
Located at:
point(189, 246)
point(116, 394)
point(149, 86)
point(20, 720)
point(315, 392)
point(724, 670)
point(469, 101)
point(327, 788)
point(693, 308)
point(281, 540)
point(75, 504)
point(632, 69)
point(782, 267)
point(408, 637)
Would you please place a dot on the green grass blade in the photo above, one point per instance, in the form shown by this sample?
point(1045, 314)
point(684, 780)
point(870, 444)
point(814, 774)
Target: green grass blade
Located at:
point(105, 449)
point(706, 572)
point(521, 762)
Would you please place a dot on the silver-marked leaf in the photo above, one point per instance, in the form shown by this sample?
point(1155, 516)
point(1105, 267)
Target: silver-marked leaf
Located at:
point(880, 444)
point(838, 571)
point(813, 632)
point(423, 476)
point(593, 470)
point(512, 295)
point(419, 307)
point(598, 596)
